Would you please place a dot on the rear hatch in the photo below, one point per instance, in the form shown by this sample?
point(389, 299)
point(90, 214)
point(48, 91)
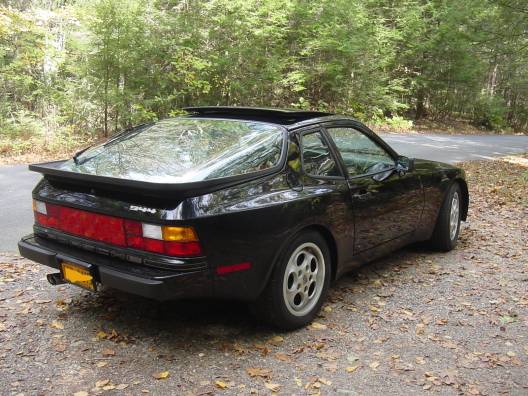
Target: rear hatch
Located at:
point(178, 157)
point(126, 193)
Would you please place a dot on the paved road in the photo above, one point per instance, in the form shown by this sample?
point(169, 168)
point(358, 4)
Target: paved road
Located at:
point(16, 182)
point(450, 148)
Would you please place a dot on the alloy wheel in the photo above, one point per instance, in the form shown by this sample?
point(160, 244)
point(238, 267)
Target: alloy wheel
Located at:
point(304, 279)
point(454, 216)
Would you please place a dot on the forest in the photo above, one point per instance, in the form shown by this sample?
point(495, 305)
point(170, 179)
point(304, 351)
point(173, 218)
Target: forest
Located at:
point(74, 71)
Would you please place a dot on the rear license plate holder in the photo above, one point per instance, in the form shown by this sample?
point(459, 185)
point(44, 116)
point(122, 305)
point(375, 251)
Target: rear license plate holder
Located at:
point(78, 274)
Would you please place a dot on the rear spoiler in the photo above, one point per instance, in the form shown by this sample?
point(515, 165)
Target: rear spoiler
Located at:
point(52, 172)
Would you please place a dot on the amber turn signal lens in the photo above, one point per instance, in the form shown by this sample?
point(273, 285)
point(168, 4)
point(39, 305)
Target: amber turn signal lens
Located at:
point(180, 234)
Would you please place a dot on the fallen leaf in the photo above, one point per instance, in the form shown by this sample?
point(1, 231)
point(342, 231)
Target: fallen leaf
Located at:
point(473, 390)
point(263, 349)
point(121, 386)
point(374, 365)
point(420, 329)
point(81, 393)
point(351, 369)
point(325, 381)
point(58, 325)
point(318, 326)
point(101, 364)
point(277, 340)
point(59, 346)
point(100, 384)
point(282, 356)
point(108, 352)
point(221, 384)
point(272, 387)
point(259, 372)
point(161, 375)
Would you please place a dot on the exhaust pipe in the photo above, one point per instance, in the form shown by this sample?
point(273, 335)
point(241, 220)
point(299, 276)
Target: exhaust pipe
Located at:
point(55, 279)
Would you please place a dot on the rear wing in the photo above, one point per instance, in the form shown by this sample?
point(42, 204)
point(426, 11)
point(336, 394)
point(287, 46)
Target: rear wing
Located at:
point(52, 172)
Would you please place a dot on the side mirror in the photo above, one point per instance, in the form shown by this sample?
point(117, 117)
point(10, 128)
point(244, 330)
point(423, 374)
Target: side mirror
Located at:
point(404, 165)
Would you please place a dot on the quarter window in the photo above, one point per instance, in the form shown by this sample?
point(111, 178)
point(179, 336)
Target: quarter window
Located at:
point(360, 154)
point(317, 159)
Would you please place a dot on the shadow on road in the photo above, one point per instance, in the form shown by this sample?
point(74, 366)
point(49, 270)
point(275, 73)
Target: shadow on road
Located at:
point(182, 324)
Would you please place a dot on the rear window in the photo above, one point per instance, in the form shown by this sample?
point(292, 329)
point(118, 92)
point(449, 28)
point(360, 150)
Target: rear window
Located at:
point(183, 150)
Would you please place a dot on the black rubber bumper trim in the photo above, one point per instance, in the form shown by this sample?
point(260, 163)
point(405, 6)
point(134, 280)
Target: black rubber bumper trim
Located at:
point(37, 253)
point(156, 286)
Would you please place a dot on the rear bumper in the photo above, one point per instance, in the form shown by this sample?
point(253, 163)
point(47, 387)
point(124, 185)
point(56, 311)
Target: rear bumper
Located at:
point(155, 283)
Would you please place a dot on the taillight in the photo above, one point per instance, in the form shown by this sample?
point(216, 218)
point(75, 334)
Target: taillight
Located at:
point(167, 240)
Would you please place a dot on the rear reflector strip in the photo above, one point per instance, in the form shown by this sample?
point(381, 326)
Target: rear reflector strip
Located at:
point(227, 269)
point(167, 240)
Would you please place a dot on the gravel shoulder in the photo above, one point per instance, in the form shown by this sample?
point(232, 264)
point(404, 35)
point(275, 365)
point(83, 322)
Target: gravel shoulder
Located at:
point(417, 322)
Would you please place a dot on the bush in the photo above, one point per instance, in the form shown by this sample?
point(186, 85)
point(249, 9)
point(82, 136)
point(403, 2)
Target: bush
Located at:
point(490, 113)
point(396, 122)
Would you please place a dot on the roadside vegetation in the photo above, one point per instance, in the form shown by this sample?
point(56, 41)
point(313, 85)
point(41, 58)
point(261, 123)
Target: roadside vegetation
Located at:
point(75, 71)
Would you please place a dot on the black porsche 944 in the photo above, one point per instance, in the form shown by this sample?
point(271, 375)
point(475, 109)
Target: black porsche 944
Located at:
point(266, 206)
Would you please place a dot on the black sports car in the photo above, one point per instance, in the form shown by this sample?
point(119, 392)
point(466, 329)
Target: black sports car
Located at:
point(262, 205)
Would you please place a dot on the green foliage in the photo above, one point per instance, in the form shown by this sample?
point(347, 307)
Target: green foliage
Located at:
point(85, 68)
point(491, 112)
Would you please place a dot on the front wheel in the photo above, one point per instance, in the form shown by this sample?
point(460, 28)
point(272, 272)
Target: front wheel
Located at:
point(447, 227)
point(298, 285)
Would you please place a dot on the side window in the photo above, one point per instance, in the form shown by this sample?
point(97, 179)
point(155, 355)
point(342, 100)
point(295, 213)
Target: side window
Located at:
point(360, 154)
point(316, 156)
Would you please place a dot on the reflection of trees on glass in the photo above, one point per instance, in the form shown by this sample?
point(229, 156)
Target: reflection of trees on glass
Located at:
point(360, 154)
point(317, 160)
point(185, 150)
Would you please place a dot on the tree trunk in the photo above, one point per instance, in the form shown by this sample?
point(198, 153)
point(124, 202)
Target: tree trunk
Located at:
point(106, 103)
point(420, 104)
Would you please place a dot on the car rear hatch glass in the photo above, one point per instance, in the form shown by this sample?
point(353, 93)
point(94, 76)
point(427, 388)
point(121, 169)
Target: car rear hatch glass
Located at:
point(184, 150)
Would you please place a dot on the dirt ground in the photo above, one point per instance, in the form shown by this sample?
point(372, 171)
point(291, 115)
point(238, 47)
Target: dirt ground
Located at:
point(417, 322)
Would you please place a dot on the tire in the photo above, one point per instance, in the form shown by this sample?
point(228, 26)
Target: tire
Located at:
point(298, 285)
point(445, 235)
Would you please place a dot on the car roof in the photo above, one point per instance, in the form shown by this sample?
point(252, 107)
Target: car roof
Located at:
point(289, 118)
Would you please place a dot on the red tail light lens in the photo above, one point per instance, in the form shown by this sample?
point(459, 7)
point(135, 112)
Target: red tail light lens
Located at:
point(183, 249)
point(167, 240)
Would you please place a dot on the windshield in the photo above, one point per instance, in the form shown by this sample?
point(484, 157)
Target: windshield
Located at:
point(180, 150)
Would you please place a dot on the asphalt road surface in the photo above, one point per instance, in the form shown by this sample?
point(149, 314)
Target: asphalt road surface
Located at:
point(16, 182)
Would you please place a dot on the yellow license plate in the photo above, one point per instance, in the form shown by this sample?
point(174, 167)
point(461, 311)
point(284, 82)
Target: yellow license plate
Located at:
point(78, 275)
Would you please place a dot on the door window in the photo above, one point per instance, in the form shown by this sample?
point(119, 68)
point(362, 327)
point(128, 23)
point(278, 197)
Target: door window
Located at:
point(361, 155)
point(317, 159)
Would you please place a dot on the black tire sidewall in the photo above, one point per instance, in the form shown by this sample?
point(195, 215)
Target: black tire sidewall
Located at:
point(442, 236)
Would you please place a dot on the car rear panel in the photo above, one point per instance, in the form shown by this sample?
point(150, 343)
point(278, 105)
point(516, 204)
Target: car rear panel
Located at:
point(241, 229)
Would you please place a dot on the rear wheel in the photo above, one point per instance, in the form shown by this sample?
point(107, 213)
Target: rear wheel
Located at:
point(447, 227)
point(298, 284)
